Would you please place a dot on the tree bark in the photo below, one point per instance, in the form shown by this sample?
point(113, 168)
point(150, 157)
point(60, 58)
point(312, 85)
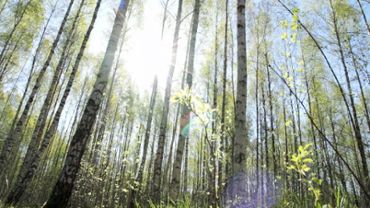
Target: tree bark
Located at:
point(139, 176)
point(27, 174)
point(3, 6)
point(364, 16)
point(363, 97)
point(14, 28)
point(353, 115)
point(241, 139)
point(348, 108)
point(63, 188)
point(272, 128)
point(185, 110)
point(223, 108)
point(14, 135)
point(38, 131)
point(32, 69)
point(156, 189)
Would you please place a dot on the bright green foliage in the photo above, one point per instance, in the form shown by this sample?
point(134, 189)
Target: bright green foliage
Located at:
point(202, 110)
point(307, 109)
point(301, 163)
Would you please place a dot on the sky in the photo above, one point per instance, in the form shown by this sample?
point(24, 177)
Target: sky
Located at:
point(145, 54)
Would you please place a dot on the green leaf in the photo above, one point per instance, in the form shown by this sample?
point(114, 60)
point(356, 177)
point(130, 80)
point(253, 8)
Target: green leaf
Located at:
point(300, 149)
point(288, 123)
point(305, 168)
point(308, 160)
point(293, 38)
point(284, 24)
point(284, 36)
point(295, 158)
point(291, 167)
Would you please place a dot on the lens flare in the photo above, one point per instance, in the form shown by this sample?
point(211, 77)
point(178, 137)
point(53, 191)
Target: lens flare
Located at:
point(251, 190)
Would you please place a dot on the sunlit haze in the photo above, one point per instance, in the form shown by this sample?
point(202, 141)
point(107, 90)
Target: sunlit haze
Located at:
point(145, 53)
point(184, 103)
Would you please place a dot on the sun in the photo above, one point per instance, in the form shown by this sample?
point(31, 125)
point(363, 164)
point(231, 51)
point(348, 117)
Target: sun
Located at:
point(147, 56)
point(145, 53)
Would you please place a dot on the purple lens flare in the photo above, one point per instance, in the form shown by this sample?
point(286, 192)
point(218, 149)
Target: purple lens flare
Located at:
point(249, 190)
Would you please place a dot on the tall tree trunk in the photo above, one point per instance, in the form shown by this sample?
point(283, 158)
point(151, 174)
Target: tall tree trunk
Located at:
point(164, 17)
point(3, 6)
point(340, 166)
point(63, 188)
point(185, 110)
point(104, 114)
point(105, 166)
point(4, 69)
point(223, 108)
point(168, 169)
point(348, 108)
point(212, 189)
point(363, 97)
point(150, 167)
point(12, 31)
point(41, 124)
point(356, 125)
point(272, 128)
point(32, 69)
point(363, 16)
point(257, 132)
point(139, 176)
point(286, 154)
point(156, 189)
point(101, 123)
point(322, 134)
point(5, 105)
point(298, 112)
point(31, 167)
point(14, 135)
point(265, 128)
point(241, 139)
point(186, 167)
point(309, 101)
